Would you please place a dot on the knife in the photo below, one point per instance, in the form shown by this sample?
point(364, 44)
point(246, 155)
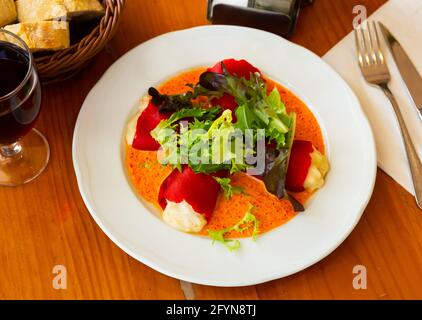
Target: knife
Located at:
point(407, 69)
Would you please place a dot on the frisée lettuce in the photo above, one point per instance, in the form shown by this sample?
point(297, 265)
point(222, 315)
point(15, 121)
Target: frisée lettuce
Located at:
point(247, 222)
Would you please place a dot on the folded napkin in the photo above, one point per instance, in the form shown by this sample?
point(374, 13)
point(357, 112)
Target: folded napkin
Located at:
point(404, 19)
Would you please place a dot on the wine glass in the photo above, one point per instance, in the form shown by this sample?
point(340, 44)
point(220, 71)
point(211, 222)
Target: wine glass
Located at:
point(24, 151)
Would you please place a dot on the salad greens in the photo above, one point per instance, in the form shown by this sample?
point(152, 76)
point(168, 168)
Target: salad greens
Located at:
point(228, 188)
point(207, 142)
point(205, 145)
point(176, 102)
point(247, 222)
point(257, 109)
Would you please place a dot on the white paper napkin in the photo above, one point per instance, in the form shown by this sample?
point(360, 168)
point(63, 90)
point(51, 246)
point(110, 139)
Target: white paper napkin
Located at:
point(404, 19)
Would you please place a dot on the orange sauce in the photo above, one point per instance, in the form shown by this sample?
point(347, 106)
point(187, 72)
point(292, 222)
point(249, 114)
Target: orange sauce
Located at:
point(147, 173)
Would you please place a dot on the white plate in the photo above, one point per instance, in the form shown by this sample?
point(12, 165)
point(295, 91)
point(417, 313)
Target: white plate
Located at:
point(330, 216)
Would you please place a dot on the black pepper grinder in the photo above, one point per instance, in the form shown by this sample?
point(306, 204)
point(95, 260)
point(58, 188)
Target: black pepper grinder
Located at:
point(277, 16)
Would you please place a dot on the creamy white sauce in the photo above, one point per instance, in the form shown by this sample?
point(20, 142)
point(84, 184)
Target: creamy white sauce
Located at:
point(317, 171)
point(181, 216)
point(131, 126)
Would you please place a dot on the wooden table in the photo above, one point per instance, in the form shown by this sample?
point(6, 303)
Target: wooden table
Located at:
point(45, 223)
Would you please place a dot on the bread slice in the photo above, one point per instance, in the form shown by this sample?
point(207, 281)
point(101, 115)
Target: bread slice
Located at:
point(43, 35)
point(85, 9)
point(7, 12)
point(40, 10)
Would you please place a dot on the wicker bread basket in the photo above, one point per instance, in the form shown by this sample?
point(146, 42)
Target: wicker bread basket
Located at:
point(63, 64)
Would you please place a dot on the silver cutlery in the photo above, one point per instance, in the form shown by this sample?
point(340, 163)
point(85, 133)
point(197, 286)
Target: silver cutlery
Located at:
point(375, 71)
point(408, 71)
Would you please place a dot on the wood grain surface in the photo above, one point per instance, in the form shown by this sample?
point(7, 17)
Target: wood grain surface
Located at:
point(45, 223)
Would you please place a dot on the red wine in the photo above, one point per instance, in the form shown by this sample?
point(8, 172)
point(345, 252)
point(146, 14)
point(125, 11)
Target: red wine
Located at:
point(18, 110)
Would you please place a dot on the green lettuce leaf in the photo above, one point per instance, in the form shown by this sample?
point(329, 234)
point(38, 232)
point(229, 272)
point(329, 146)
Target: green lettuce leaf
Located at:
point(197, 113)
point(257, 110)
point(246, 223)
point(228, 188)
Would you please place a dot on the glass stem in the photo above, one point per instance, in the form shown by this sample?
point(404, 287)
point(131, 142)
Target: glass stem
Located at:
point(11, 150)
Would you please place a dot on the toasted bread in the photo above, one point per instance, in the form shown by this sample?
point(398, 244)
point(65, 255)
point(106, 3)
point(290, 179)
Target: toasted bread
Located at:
point(83, 8)
point(41, 10)
point(43, 35)
point(8, 12)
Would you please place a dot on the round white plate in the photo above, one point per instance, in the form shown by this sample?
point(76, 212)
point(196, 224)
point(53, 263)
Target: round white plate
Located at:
point(330, 216)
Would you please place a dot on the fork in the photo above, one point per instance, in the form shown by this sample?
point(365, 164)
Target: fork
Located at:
point(375, 71)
